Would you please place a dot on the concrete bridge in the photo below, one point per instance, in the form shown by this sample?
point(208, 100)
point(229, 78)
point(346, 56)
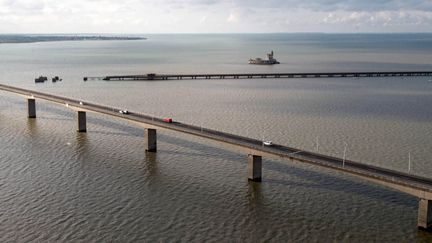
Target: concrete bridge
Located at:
point(153, 76)
point(416, 186)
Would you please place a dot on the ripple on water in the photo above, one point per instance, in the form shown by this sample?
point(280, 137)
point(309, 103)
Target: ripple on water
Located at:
point(57, 185)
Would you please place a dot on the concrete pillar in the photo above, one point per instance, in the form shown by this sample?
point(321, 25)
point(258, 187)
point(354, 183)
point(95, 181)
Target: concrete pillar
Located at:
point(150, 139)
point(254, 167)
point(82, 123)
point(31, 104)
point(425, 214)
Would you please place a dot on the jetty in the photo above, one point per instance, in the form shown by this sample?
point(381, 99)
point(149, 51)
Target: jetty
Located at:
point(254, 150)
point(154, 76)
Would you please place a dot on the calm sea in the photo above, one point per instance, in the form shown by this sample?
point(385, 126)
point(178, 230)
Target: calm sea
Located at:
point(60, 186)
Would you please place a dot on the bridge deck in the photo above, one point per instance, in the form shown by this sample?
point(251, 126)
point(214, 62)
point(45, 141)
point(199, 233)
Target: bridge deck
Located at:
point(411, 184)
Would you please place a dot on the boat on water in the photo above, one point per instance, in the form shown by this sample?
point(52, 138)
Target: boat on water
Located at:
point(270, 60)
point(41, 79)
point(56, 78)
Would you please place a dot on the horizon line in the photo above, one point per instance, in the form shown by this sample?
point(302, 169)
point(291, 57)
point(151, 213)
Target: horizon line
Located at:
point(206, 33)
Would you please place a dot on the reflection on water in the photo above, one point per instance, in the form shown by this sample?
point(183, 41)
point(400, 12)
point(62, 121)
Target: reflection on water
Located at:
point(82, 143)
point(151, 165)
point(254, 193)
point(32, 127)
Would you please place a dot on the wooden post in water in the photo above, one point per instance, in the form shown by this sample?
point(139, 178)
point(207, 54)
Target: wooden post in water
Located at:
point(82, 121)
point(254, 167)
point(31, 104)
point(150, 139)
point(424, 214)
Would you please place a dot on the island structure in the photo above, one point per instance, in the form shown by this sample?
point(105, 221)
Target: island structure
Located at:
point(270, 60)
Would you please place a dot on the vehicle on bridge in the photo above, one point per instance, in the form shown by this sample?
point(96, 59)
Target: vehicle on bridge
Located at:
point(124, 112)
point(268, 143)
point(168, 120)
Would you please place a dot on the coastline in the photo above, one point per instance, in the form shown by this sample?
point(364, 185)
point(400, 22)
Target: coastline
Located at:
point(16, 39)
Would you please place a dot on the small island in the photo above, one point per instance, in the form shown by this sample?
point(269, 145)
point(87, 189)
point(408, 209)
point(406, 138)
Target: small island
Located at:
point(22, 38)
point(270, 60)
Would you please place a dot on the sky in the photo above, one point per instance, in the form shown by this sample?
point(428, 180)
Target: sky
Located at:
point(214, 16)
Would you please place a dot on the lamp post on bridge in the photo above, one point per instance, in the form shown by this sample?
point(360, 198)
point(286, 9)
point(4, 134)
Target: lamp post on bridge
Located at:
point(344, 154)
point(409, 162)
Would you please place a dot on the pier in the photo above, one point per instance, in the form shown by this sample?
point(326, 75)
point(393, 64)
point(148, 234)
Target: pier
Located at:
point(254, 150)
point(154, 76)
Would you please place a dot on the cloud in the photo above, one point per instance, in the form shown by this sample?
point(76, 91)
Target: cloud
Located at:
point(203, 19)
point(345, 5)
point(381, 18)
point(22, 6)
point(138, 16)
point(233, 18)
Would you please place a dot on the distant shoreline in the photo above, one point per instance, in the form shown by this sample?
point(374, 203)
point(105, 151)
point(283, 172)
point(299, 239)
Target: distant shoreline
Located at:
point(4, 39)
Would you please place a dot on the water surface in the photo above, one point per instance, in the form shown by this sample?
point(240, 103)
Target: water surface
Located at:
point(58, 185)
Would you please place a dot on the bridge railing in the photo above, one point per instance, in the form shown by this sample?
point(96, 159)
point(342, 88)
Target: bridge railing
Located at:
point(280, 150)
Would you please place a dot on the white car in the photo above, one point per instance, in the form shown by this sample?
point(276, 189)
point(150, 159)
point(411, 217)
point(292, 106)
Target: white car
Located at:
point(268, 143)
point(124, 111)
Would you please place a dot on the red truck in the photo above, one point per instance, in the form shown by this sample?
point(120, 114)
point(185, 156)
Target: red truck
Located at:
point(168, 120)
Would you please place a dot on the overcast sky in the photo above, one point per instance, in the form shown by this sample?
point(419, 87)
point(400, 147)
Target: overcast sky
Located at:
point(214, 16)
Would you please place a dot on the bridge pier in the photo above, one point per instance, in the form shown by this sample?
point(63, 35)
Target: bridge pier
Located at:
point(254, 167)
point(31, 104)
point(424, 214)
point(150, 139)
point(82, 121)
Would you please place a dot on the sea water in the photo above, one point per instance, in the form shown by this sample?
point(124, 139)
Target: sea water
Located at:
point(59, 185)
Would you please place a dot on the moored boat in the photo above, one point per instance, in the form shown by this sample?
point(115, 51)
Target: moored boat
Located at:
point(41, 79)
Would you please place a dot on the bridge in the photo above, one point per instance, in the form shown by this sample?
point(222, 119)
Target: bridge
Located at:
point(154, 76)
point(416, 186)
